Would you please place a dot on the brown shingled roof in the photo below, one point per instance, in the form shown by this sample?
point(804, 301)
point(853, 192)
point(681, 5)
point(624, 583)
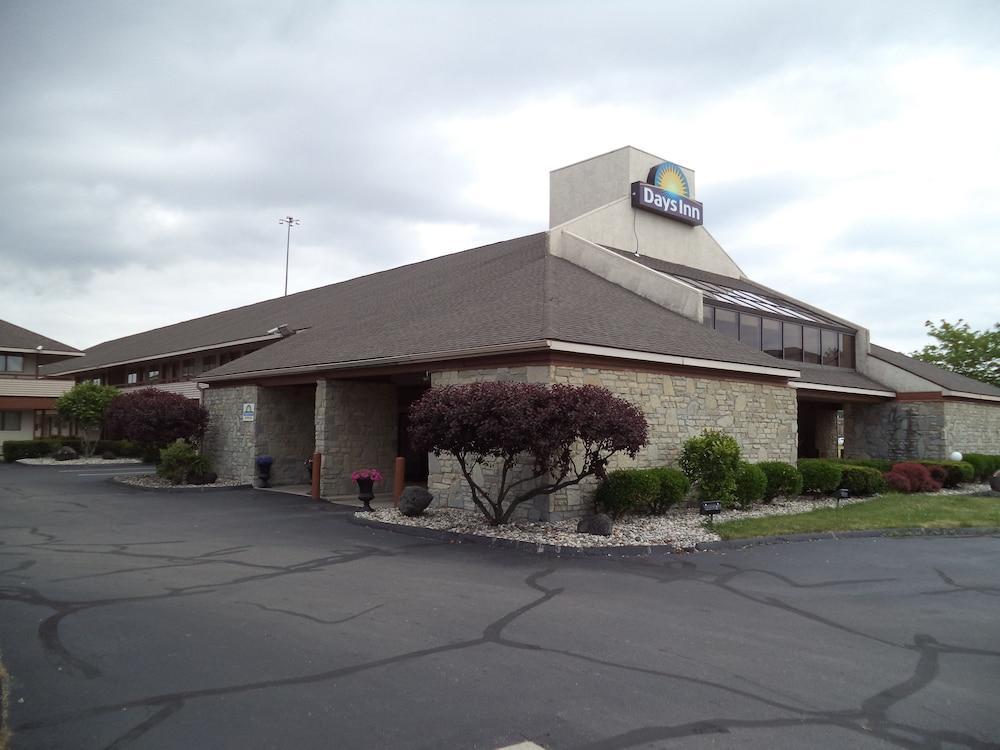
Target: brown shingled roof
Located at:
point(948, 380)
point(16, 337)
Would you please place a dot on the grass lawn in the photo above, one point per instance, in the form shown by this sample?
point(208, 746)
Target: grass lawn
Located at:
point(888, 512)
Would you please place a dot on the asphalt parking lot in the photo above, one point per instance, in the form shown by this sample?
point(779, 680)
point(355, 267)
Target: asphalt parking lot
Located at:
point(246, 619)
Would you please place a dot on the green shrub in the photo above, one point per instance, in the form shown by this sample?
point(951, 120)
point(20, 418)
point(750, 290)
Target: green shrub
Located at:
point(673, 488)
point(862, 481)
point(14, 450)
point(180, 461)
point(983, 464)
point(881, 464)
point(751, 483)
point(820, 476)
point(711, 460)
point(627, 491)
point(782, 479)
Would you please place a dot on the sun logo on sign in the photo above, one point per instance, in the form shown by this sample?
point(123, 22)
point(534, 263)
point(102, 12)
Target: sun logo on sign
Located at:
point(671, 178)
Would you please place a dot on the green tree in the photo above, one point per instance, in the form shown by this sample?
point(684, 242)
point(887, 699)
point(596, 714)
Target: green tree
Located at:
point(85, 404)
point(975, 354)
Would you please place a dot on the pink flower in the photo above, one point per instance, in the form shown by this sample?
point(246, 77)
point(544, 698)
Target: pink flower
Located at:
point(374, 474)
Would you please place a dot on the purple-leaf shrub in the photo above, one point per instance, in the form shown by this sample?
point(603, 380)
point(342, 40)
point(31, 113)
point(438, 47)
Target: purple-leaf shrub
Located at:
point(561, 434)
point(154, 419)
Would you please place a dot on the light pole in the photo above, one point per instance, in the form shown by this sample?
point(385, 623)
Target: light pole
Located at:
point(289, 220)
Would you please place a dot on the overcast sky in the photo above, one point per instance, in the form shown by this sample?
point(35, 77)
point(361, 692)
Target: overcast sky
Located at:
point(846, 153)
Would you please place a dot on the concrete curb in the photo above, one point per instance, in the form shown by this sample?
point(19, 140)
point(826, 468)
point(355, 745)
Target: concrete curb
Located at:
point(115, 480)
point(760, 541)
point(454, 537)
point(556, 550)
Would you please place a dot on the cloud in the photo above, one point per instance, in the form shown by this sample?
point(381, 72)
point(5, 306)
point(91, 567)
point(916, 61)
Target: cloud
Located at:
point(149, 149)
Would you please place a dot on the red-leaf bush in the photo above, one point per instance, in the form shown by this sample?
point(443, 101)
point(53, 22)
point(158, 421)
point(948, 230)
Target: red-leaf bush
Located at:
point(898, 482)
point(919, 477)
point(557, 435)
point(154, 419)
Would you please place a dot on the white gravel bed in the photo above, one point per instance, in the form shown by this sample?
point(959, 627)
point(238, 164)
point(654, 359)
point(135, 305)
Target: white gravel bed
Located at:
point(153, 481)
point(680, 528)
point(92, 461)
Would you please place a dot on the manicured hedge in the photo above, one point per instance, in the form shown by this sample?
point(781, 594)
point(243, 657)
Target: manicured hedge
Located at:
point(983, 465)
point(881, 464)
point(862, 481)
point(626, 491)
point(782, 480)
point(14, 450)
point(673, 487)
point(819, 475)
point(751, 482)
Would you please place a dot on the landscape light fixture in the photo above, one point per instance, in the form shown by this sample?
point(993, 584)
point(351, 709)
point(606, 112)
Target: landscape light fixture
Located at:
point(289, 220)
point(842, 494)
point(710, 508)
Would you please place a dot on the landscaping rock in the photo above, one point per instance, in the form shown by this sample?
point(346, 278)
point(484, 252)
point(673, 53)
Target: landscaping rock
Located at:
point(414, 501)
point(65, 454)
point(995, 481)
point(208, 477)
point(599, 524)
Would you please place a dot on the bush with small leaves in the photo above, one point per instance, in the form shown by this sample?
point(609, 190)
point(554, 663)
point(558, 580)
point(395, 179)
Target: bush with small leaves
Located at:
point(751, 483)
point(673, 488)
point(898, 482)
point(710, 460)
point(820, 476)
point(180, 462)
point(783, 480)
point(919, 477)
point(627, 491)
point(862, 481)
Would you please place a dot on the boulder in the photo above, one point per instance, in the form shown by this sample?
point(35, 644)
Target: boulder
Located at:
point(599, 524)
point(995, 481)
point(65, 454)
point(414, 501)
point(205, 477)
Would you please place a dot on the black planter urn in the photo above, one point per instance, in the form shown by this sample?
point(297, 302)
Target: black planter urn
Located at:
point(365, 492)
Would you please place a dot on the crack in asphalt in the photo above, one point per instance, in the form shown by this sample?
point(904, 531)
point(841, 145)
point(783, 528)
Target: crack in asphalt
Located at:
point(870, 718)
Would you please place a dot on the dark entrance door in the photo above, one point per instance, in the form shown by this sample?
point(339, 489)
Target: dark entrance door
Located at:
point(416, 461)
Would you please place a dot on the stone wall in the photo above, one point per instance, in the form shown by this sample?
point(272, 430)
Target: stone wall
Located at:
point(971, 427)
point(286, 430)
point(762, 418)
point(895, 430)
point(356, 428)
point(230, 443)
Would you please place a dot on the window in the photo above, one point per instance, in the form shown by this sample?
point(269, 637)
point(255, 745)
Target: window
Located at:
point(187, 368)
point(810, 345)
point(771, 338)
point(153, 374)
point(207, 363)
point(95, 381)
point(750, 330)
point(831, 348)
point(132, 378)
point(709, 319)
point(225, 357)
point(792, 337)
point(10, 421)
point(11, 363)
point(725, 322)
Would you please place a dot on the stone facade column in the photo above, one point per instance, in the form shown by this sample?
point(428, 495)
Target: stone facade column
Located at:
point(230, 444)
point(356, 428)
point(895, 430)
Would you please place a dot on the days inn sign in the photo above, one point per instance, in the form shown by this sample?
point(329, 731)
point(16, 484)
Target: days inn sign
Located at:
point(666, 192)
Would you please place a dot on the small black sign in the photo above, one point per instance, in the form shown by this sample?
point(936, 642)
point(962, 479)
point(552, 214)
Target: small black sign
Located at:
point(711, 507)
point(662, 202)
